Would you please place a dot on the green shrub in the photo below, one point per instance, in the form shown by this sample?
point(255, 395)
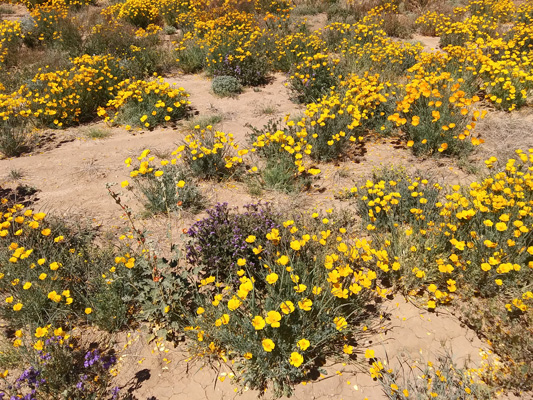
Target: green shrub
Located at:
point(171, 191)
point(313, 78)
point(247, 62)
point(59, 365)
point(52, 270)
point(460, 244)
point(146, 104)
point(15, 138)
point(225, 86)
point(279, 317)
point(387, 212)
point(443, 122)
point(52, 25)
point(10, 42)
point(211, 154)
point(191, 56)
point(442, 379)
point(278, 170)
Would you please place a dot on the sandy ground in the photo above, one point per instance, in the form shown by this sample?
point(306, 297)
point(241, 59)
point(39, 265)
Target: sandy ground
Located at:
point(162, 372)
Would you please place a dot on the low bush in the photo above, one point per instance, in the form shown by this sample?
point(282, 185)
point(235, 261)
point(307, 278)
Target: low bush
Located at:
point(439, 379)
point(52, 272)
point(191, 55)
point(211, 154)
point(278, 317)
point(146, 104)
point(313, 78)
point(232, 228)
point(75, 94)
point(165, 189)
point(279, 166)
point(225, 86)
point(436, 116)
point(57, 364)
point(15, 137)
point(10, 41)
point(239, 55)
point(458, 245)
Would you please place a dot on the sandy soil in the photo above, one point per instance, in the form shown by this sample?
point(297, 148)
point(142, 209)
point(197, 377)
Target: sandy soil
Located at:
point(163, 372)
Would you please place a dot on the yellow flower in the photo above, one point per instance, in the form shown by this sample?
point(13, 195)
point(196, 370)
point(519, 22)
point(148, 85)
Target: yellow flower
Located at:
point(250, 239)
point(300, 288)
point(295, 245)
point(54, 266)
point(41, 332)
point(305, 304)
point(43, 276)
point(158, 173)
point(39, 216)
point(258, 322)
point(303, 344)
point(9, 299)
point(200, 310)
point(54, 296)
point(124, 183)
point(38, 345)
point(347, 349)
point(369, 353)
point(501, 226)
point(296, 359)
point(46, 232)
point(287, 307)
point(241, 262)
point(283, 260)
point(234, 303)
point(273, 318)
point(340, 323)
point(268, 345)
point(224, 319)
point(26, 286)
point(248, 356)
point(88, 310)
point(272, 278)
point(17, 307)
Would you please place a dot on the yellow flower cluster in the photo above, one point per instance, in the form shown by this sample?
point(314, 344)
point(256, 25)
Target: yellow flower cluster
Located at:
point(483, 48)
point(28, 269)
point(474, 240)
point(292, 293)
point(157, 102)
point(209, 144)
point(140, 13)
point(10, 32)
